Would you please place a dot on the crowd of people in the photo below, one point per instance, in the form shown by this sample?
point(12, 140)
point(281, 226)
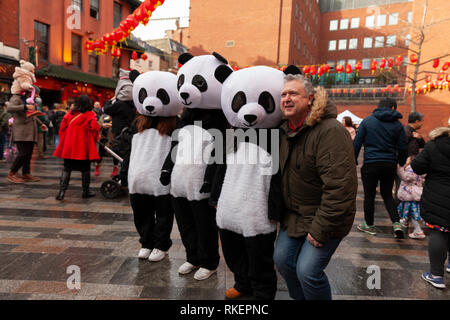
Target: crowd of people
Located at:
point(314, 188)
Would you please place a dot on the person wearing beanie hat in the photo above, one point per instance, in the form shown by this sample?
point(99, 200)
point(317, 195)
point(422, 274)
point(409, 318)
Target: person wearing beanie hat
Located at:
point(23, 77)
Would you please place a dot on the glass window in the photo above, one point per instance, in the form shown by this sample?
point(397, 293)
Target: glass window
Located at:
point(93, 63)
point(296, 9)
point(41, 34)
point(343, 44)
point(344, 24)
point(332, 45)
point(393, 18)
point(351, 62)
point(117, 14)
point(333, 25)
point(367, 42)
point(298, 44)
point(407, 38)
point(301, 16)
point(409, 16)
point(331, 64)
point(78, 4)
point(370, 21)
point(94, 8)
point(366, 64)
point(76, 50)
point(341, 62)
point(391, 41)
point(295, 38)
point(379, 42)
point(353, 44)
point(381, 20)
point(354, 23)
point(306, 25)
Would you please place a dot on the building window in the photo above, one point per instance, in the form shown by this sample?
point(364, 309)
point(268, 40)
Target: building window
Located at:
point(341, 62)
point(344, 24)
point(391, 41)
point(41, 35)
point(370, 21)
point(333, 25)
point(94, 8)
point(296, 9)
point(343, 44)
point(381, 20)
point(117, 14)
point(353, 44)
point(407, 39)
point(393, 19)
point(351, 62)
point(309, 29)
point(379, 42)
point(306, 25)
point(93, 63)
point(295, 38)
point(409, 16)
point(116, 68)
point(332, 45)
point(301, 16)
point(76, 50)
point(77, 4)
point(366, 64)
point(331, 64)
point(354, 23)
point(298, 44)
point(367, 42)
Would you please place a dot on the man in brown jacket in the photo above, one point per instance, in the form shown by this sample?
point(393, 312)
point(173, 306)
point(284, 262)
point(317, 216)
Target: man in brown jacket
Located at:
point(24, 135)
point(319, 185)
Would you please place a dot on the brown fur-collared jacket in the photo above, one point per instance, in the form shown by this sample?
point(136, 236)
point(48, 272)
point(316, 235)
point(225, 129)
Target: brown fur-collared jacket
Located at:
point(319, 178)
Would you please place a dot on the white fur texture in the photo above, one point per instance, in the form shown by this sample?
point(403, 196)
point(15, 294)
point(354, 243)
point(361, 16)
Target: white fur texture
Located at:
point(148, 151)
point(193, 151)
point(243, 202)
point(205, 66)
point(152, 81)
point(253, 81)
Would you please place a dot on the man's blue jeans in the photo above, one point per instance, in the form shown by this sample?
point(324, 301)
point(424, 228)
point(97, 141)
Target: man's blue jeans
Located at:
point(302, 266)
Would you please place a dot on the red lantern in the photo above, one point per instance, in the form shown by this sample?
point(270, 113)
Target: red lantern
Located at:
point(118, 53)
point(374, 91)
point(413, 58)
point(338, 91)
point(398, 61)
point(358, 66)
point(352, 91)
point(89, 46)
point(113, 52)
point(348, 69)
point(390, 63)
point(134, 55)
point(339, 68)
point(149, 6)
point(119, 35)
point(447, 78)
point(107, 38)
point(446, 66)
point(345, 91)
point(435, 63)
point(320, 72)
point(144, 56)
point(382, 64)
point(306, 70)
point(440, 76)
point(313, 70)
point(364, 90)
point(333, 91)
point(327, 68)
point(428, 78)
point(373, 66)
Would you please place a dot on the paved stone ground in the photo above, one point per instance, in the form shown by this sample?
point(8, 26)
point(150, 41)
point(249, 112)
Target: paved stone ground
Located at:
point(40, 237)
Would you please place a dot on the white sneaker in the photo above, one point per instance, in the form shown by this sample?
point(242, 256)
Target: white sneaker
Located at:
point(186, 268)
point(144, 253)
point(417, 235)
point(404, 223)
point(157, 255)
point(203, 274)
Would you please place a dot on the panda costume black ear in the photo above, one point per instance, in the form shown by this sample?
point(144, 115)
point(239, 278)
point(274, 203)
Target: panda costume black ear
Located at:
point(220, 58)
point(133, 75)
point(222, 73)
point(292, 70)
point(185, 57)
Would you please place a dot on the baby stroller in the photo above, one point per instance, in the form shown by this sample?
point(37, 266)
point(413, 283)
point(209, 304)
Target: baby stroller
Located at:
point(112, 188)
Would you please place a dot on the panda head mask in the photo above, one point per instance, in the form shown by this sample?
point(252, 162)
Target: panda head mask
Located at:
point(251, 96)
point(197, 83)
point(155, 93)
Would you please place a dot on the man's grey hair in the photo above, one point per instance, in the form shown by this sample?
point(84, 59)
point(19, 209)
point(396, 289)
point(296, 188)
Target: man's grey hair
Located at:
point(309, 89)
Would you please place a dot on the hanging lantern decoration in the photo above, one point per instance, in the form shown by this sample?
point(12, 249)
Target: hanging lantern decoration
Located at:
point(339, 68)
point(398, 61)
point(113, 52)
point(144, 56)
point(118, 53)
point(338, 91)
point(382, 63)
point(326, 68)
point(89, 46)
point(446, 66)
point(134, 55)
point(313, 70)
point(320, 71)
point(364, 91)
point(373, 66)
point(390, 63)
point(396, 88)
point(447, 78)
point(348, 69)
point(333, 91)
point(441, 76)
point(107, 39)
point(413, 58)
point(435, 63)
point(352, 91)
point(374, 91)
point(358, 67)
point(306, 70)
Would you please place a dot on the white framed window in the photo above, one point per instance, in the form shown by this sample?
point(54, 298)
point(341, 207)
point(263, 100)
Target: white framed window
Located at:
point(332, 45)
point(309, 29)
point(343, 44)
point(381, 20)
point(306, 25)
point(295, 38)
point(391, 41)
point(407, 39)
point(298, 44)
point(351, 62)
point(367, 42)
point(344, 24)
point(366, 64)
point(301, 16)
point(341, 62)
point(379, 42)
point(354, 24)
point(353, 44)
point(331, 64)
point(393, 19)
point(333, 25)
point(370, 21)
point(409, 16)
point(296, 9)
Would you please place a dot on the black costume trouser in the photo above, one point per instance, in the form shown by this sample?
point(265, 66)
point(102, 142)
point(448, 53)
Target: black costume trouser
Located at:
point(371, 173)
point(153, 218)
point(196, 222)
point(251, 261)
point(23, 159)
point(438, 246)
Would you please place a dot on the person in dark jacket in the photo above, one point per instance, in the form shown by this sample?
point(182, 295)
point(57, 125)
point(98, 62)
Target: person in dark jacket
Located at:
point(122, 110)
point(413, 138)
point(434, 161)
point(319, 184)
point(383, 137)
point(58, 116)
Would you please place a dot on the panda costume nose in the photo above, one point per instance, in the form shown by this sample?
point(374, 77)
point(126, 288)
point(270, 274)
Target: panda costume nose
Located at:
point(184, 95)
point(250, 118)
point(150, 108)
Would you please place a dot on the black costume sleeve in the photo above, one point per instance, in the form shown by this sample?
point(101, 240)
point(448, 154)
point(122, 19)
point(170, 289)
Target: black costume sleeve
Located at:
point(217, 183)
point(166, 170)
point(276, 201)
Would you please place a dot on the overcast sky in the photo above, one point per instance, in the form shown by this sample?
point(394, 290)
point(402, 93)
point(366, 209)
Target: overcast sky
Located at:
point(155, 28)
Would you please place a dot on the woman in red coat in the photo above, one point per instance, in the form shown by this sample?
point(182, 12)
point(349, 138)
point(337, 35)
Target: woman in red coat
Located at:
point(77, 136)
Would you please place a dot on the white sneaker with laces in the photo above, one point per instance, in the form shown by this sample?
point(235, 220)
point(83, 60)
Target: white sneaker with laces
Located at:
point(144, 253)
point(157, 255)
point(203, 274)
point(186, 268)
point(417, 235)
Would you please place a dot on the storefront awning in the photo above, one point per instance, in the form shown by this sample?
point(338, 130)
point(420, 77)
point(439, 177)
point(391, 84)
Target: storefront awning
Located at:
point(60, 72)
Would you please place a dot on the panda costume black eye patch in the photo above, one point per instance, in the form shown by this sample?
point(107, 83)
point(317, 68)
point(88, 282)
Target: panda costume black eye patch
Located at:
point(266, 100)
point(200, 83)
point(239, 100)
point(142, 95)
point(163, 96)
point(180, 82)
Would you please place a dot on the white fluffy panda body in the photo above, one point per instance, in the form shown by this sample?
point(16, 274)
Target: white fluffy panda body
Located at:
point(250, 99)
point(154, 95)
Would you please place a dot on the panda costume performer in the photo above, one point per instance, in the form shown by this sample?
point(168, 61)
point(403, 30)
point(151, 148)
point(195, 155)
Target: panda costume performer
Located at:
point(247, 187)
point(155, 97)
point(199, 91)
